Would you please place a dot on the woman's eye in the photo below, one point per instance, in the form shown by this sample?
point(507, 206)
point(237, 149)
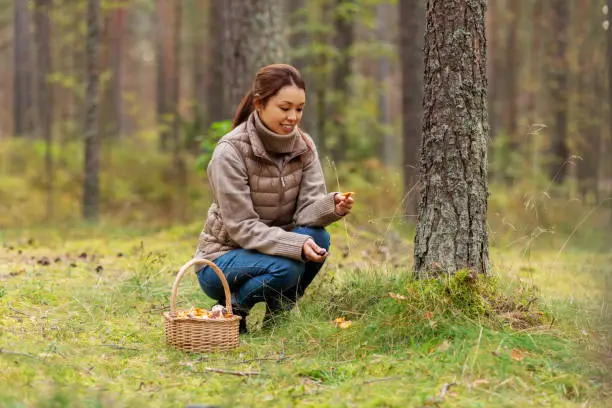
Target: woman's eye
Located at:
point(300, 109)
point(285, 109)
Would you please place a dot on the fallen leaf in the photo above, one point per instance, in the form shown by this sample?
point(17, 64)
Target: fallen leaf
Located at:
point(397, 296)
point(476, 383)
point(517, 354)
point(442, 347)
point(428, 315)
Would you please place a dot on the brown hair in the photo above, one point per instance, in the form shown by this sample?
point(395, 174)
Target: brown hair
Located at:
point(268, 81)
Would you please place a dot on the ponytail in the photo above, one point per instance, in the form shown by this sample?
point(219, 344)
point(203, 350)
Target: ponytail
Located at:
point(245, 108)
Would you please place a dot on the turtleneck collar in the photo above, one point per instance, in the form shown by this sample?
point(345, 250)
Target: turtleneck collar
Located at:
point(274, 142)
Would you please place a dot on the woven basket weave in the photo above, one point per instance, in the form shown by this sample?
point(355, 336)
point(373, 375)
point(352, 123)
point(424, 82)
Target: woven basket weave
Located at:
point(191, 334)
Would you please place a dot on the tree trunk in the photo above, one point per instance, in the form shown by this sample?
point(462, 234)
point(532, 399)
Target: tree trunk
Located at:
point(255, 37)
point(451, 230)
point(412, 29)
point(387, 144)
point(300, 40)
point(219, 108)
point(167, 71)
point(494, 66)
point(199, 24)
point(587, 142)
point(179, 168)
point(91, 183)
point(343, 41)
point(511, 75)
point(608, 176)
point(112, 105)
point(559, 67)
point(22, 69)
point(535, 69)
point(44, 96)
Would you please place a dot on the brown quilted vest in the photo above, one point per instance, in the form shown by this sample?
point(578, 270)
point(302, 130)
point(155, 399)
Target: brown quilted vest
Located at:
point(274, 187)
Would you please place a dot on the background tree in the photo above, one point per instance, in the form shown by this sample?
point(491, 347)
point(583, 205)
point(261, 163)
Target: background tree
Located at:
point(91, 181)
point(451, 230)
point(255, 36)
point(343, 41)
point(22, 72)
point(44, 97)
point(558, 88)
point(411, 17)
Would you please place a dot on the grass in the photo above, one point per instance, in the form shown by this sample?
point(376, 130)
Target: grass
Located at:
point(85, 330)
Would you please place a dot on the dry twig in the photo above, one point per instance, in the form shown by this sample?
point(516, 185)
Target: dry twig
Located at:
point(237, 373)
point(17, 353)
point(10, 305)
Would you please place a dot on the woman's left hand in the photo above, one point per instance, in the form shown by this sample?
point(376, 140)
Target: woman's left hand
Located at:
point(343, 204)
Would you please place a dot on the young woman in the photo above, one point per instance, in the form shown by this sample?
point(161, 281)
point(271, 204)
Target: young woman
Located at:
point(265, 226)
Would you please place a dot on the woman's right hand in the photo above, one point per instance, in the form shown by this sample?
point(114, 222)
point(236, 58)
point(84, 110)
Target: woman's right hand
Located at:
point(312, 252)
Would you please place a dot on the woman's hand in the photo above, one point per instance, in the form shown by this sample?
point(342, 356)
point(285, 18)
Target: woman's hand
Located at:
point(344, 203)
point(312, 252)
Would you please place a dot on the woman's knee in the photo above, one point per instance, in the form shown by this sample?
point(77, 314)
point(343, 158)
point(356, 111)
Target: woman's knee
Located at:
point(286, 272)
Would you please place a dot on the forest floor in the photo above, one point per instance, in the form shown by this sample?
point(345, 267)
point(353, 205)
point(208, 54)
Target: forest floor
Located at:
point(81, 326)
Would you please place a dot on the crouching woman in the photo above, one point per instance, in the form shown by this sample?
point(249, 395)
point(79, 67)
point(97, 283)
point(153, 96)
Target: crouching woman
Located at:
point(265, 228)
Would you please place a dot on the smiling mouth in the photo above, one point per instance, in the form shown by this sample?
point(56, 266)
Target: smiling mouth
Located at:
point(288, 127)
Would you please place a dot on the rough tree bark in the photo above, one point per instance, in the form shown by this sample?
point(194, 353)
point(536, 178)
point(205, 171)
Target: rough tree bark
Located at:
point(452, 217)
point(412, 18)
point(22, 70)
point(91, 182)
point(255, 36)
point(44, 98)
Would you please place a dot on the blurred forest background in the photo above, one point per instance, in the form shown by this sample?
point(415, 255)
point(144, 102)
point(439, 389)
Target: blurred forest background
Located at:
point(111, 108)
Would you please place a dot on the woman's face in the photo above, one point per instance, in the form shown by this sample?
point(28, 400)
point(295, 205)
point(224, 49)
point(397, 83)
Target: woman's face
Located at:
point(283, 111)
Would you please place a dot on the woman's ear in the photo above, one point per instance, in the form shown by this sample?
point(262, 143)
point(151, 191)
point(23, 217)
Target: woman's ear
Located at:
point(257, 104)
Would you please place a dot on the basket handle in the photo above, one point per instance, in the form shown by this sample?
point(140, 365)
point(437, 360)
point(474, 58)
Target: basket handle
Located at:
point(184, 268)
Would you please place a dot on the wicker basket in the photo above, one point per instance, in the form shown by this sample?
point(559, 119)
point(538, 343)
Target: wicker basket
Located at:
point(191, 334)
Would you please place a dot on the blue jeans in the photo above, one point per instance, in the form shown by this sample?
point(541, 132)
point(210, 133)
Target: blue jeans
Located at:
point(256, 277)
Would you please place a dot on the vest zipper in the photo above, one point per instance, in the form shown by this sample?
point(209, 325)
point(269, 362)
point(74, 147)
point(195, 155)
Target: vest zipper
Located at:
point(281, 196)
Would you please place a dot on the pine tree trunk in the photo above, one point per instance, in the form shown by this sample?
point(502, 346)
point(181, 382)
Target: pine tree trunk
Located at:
point(168, 42)
point(452, 217)
point(608, 174)
point(219, 108)
point(44, 95)
point(255, 35)
point(494, 66)
point(387, 144)
point(559, 67)
point(511, 75)
point(535, 69)
point(299, 41)
point(22, 68)
point(91, 183)
point(587, 142)
point(343, 41)
point(412, 30)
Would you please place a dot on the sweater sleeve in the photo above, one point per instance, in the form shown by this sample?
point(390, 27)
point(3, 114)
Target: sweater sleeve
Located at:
point(229, 180)
point(315, 206)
